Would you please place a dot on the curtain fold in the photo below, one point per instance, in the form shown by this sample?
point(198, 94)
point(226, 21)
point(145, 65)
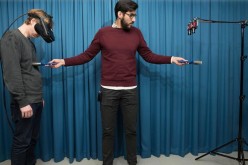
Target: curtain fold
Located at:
point(191, 109)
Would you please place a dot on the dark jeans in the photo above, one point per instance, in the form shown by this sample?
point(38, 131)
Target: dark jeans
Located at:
point(111, 100)
point(26, 133)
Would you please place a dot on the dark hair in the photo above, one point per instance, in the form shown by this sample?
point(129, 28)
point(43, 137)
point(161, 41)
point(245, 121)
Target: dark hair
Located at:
point(125, 6)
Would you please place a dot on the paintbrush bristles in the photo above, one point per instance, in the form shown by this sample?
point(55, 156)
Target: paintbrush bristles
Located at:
point(197, 62)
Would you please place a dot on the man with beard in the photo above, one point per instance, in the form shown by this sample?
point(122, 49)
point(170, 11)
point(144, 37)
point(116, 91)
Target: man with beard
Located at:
point(118, 44)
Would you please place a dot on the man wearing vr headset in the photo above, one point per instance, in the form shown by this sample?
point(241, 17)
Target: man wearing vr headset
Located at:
point(24, 82)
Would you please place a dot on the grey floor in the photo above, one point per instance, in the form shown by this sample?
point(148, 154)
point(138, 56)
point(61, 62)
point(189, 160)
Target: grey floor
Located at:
point(162, 160)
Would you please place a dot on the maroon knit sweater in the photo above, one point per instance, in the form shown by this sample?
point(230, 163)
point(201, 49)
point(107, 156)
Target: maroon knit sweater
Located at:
point(118, 49)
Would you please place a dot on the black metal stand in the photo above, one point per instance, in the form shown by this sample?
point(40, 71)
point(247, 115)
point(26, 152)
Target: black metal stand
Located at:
point(240, 140)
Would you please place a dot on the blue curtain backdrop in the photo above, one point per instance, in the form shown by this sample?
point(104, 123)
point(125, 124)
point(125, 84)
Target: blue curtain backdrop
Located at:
point(190, 109)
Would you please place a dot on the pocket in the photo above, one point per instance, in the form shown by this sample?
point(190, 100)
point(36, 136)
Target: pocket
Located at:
point(109, 97)
point(99, 96)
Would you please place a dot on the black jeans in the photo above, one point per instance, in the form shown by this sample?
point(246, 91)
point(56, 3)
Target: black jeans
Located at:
point(26, 133)
point(111, 100)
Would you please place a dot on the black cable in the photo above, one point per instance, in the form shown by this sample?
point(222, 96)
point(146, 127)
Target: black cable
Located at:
point(4, 104)
point(13, 23)
point(4, 98)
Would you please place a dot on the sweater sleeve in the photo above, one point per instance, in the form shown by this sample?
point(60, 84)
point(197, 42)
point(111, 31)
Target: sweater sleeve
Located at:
point(87, 55)
point(10, 49)
point(148, 55)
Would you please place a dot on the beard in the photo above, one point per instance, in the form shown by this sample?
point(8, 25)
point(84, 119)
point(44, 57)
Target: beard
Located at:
point(124, 25)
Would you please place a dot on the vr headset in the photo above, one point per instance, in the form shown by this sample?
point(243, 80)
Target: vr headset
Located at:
point(43, 29)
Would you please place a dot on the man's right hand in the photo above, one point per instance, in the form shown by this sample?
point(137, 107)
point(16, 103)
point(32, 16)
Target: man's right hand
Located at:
point(27, 111)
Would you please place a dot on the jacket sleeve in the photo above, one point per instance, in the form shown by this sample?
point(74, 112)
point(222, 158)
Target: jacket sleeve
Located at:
point(10, 49)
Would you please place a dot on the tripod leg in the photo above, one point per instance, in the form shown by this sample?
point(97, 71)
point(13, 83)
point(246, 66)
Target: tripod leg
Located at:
point(241, 156)
point(242, 161)
point(212, 151)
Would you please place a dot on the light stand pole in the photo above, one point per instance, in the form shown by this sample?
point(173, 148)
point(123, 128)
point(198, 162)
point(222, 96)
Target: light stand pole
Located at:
point(240, 140)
